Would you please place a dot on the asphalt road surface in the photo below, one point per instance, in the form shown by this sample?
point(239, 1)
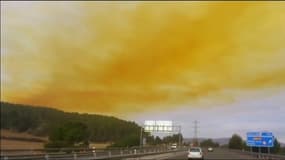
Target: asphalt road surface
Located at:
point(217, 154)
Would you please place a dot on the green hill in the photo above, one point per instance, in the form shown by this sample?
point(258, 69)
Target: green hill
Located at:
point(42, 121)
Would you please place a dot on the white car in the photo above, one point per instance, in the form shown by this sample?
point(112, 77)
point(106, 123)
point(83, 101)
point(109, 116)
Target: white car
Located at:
point(195, 153)
point(210, 149)
point(174, 146)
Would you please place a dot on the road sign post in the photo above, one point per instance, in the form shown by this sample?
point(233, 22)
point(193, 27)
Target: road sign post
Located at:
point(260, 139)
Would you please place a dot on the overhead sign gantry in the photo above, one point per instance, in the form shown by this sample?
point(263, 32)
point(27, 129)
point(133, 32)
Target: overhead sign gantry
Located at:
point(161, 126)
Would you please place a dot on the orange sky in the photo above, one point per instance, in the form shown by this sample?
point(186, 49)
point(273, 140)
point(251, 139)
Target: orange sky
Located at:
point(126, 57)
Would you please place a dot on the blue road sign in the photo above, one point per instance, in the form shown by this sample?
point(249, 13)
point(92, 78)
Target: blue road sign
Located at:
point(252, 134)
point(266, 134)
point(260, 139)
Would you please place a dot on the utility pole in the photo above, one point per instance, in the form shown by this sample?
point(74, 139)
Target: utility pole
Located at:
point(180, 137)
point(195, 139)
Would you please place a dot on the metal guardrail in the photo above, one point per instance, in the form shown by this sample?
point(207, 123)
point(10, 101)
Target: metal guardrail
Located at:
point(90, 154)
point(256, 155)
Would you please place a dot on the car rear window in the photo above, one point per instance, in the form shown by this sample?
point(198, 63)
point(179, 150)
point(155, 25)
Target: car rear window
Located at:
point(194, 150)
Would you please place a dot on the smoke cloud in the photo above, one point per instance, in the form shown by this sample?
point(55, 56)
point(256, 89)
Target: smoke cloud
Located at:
point(126, 57)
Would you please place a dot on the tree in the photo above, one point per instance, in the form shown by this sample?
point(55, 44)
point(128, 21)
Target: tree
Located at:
point(235, 142)
point(157, 140)
point(172, 139)
point(245, 147)
point(209, 143)
point(127, 141)
point(68, 135)
point(150, 140)
point(276, 148)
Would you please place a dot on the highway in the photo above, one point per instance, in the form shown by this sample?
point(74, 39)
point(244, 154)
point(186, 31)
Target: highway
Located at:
point(217, 154)
point(147, 154)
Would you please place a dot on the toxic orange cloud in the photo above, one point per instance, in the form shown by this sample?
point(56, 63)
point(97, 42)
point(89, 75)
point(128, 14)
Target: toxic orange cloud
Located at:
point(125, 57)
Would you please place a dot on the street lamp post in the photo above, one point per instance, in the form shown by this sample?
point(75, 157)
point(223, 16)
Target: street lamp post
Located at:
point(141, 137)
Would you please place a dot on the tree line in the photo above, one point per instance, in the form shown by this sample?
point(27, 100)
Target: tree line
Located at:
point(156, 140)
point(74, 129)
point(68, 129)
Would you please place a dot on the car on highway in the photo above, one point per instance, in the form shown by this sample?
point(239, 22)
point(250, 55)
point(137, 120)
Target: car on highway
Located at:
point(195, 153)
point(210, 149)
point(174, 146)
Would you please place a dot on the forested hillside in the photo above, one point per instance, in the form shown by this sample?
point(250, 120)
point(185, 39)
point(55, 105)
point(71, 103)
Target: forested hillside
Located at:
point(43, 121)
